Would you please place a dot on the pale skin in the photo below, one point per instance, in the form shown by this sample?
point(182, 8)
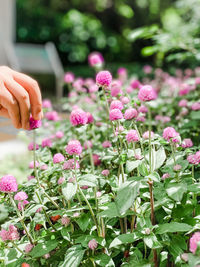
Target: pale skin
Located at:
point(20, 96)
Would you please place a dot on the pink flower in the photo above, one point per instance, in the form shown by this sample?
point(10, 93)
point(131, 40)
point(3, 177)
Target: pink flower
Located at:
point(143, 109)
point(90, 118)
point(93, 88)
point(194, 241)
point(116, 88)
point(78, 117)
point(183, 103)
point(44, 167)
point(116, 104)
point(65, 221)
point(106, 144)
point(122, 73)
point(88, 144)
point(92, 244)
point(193, 159)
point(165, 176)
point(46, 256)
point(46, 103)
point(146, 135)
point(197, 80)
point(147, 93)
point(198, 155)
point(31, 164)
point(195, 106)
point(72, 180)
point(61, 180)
point(99, 194)
point(119, 129)
point(11, 234)
point(177, 167)
point(31, 146)
point(95, 59)
point(138, 157)
point(52, 116)
point(8, 184)
point(184, 90)
point(69, 77)
point(4, 235)
point(104, 78)
point(74, 147)
point(28, 248)
point(46, 142)
point(147, 69)
point(130, 114)
point(125, 100)
point(141, 118)
point(30, 177)
point(115, 114)
point(69, 165)
point(132, 136)
point(187, 142)
point(105, 173)
point(59, 134)
point(34, 124)
point(58, 157)
point(20, 196)
point(96, 159)
point(129, 90)
point(22, 204)
point(169, 133)
point(135, 84)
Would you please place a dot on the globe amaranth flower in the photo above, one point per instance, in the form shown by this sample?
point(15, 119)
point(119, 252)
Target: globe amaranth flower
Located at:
point(69, 77)
point(130, 113)
point(22, 204)
point(104, 78)
point(52, 116)
point(195, 106)
point(61, 180)
point(88, 144)
point(8, 183)
point(46, 103)
point(194, 241)
point(143, 109)
point(106, 144)
point(28, 248)
point(193, 159)
point(187, 142)
point(147, 93)
point(74, 147)
point(115, 114)
point(105, 172)
point(58, 157)
point(78, 117)
point(90, 118)
point(96, 159)
point(116, 104)
point(92, 244)
point(169, 133)
point(65, 221)
point(34, 124)
point(32, 145)
point(165, 176)
point(146, 135)
point(183, 103)
point(135, 84)
point(95, 59)
point(177, 167)
point(125, 100)
point(11, 234)
point(69, 165)
point(46, 142)
point(132, 136)
point(31, 164)
point(59, 134)
point(116, 89)
point(20, 196)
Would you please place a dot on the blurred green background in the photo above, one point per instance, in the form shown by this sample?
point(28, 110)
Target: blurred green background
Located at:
point(126, 32)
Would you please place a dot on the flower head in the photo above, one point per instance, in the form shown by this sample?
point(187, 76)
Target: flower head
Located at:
point(52, 116)
point(187, 142)
point(146, 135)
point(104, 78)
point(46, 103)
point(132, 136)
point(59, 134)
point(69, 77)
point(34, 124)
point(20, 196)
point(130, 114)
point(46, 142)
point(69, 165)
point(74, 147)
point(78, 117)
point(116, 104)
point(194, 241)
point(61, 180)
point(28, 248)
point(105, 172)
point(65, 220)
point(88, 144)
point(90, 118)
point(31, 164)
point(22, 204)
point(8, 183)
point(177, 167)
point(95, 59)
point(58, 157)
point(147, 93)
point(165, 176)
point(31, 146)
point(115, 114)
point(96, 159)
point(106, 144)
point(169, 133)
point(92, 244)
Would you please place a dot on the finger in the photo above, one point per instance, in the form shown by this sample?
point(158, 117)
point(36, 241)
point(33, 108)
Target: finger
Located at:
point(22, 97)
point(10, 103)
point(31, 86)
point(4, 112)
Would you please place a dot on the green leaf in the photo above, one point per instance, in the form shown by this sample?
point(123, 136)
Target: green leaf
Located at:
point(104, 260)
point(152, 242)
point(110, 211)
point(143, 169)
point(160, 157)
point(195, 115)
point(84, 221)
point(176, 190)
point(88, 179)
point(125, 239)
point(73, 257)
point(173, 227)
point(126, 195)
point(43, 248)
point(65, 233)
point(69, 190)
point(154, 176)
point(131, 165)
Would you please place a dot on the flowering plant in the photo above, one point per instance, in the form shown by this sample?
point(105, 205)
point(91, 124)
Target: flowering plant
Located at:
point(115, 184)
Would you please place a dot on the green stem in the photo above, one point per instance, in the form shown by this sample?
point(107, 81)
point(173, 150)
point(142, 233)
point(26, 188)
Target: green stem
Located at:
point(18, 248)
point(51, 200)
point(149, 117)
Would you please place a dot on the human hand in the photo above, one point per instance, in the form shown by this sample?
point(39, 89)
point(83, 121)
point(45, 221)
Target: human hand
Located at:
point(19, 96)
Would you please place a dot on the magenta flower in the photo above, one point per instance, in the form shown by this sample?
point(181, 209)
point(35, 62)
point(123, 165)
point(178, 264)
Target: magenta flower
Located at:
point(46, 142)
point(65, 221)
point(135, 84)
point(58, 157)
point(132, 136)
point(31, 146)
point(88, 144)
point(92, 244)
point(90, 118)
point(147, 93)
point(20, 196)
point(59, 134)
point(106, 144)
point(193, 159)
point(96, 159)
point(165, 176)
point(95, 59)
point(8, 183)
point(69, 77)
point(115, 114)
point(78, 117)
point(130, 113)
point(46, 103)
point(22, 204)
point(104, 78)
point(194, 241)
point(116, 89)
point(28, 248)
point(34, 124)
point(195, 106)
point(116, 104)
point(183, 103)
point(52, 116)
point(146, 135)
point(61, 180)
point(143, 109)
point(187, 142)
point(177, 167)
point(169, 133)
point(11, 234)
point(105, 173)
point(74, 147)
point(125, 100)
point(31, 164)
point(69, 165)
